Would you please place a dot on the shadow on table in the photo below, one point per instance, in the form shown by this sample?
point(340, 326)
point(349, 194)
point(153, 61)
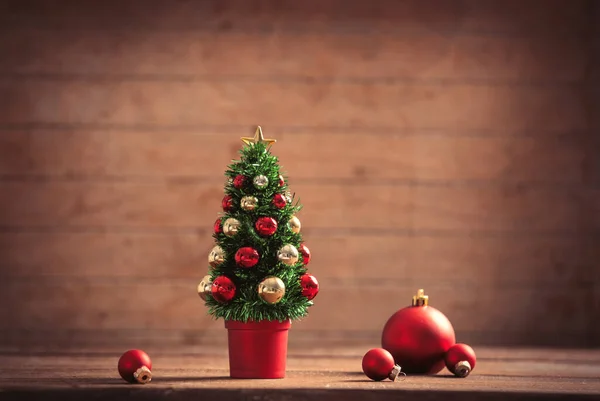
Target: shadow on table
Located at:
point(364, 379)
point(191, 379)
point(158, 380)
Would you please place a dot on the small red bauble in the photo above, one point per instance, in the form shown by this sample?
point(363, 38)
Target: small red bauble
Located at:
point(135, 366)
point(246, 257)
point(418, 337)
point(281, 180)
point(279, 201)
point(305, 252)
point(223, 289)
point(460, 359)
point(218, 228)
point(227, 203)
point(266, 226)
point(310, 286)
point(378, 364)
point(239, 181)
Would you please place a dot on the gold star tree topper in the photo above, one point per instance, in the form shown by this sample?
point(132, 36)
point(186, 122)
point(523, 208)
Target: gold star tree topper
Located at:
point(258, 138)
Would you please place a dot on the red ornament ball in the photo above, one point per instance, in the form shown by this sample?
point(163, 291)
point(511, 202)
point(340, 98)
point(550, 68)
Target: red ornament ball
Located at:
point(218, 228)
point(246, 257)
point(266, 226)
point(135, 366)
point(305, 252)
point(281, 180)
point(223, 289)
point(378, 364)
point(227, 203)
point(460, 359)
point(310, 286)
point(418, 338)
point(279, 201)
point(239, 181)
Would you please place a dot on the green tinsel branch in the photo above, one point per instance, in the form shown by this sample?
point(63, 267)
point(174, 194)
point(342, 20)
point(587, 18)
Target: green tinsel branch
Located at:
point(247, 305)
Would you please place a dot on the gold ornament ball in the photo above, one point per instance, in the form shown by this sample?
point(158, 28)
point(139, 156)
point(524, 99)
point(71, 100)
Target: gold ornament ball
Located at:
point(204, 287)
point(294, 224)
point(249, 203)
point(216, 256)
point(288, 254)
point(231, 227)
point(271, 290)
point(260, 181)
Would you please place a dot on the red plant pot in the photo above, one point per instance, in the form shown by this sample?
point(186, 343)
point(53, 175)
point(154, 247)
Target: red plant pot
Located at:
point(257, 350)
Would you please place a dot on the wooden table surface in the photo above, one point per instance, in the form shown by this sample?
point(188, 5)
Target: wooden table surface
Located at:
point(198, 373)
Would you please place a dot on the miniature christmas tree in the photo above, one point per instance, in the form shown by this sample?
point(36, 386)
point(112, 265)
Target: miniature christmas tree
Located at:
point(258, 265)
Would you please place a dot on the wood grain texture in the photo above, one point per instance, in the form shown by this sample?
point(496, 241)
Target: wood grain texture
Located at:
point(376, 207)
point(367, 157)
point(332, 373)
point(593, 153)
point(448, 146)
point(348, 259)
point(173, 305)
point(514, 17)
point(427, 57)
point(397, 104)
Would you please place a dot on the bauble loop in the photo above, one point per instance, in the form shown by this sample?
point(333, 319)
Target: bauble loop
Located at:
point(260, 182)
point(143, 375)
point(271, 290)
point(462, 369)
point(288, 254)
point(294, 224)
point(216, 256)
point(249, 203)
point(231, 226)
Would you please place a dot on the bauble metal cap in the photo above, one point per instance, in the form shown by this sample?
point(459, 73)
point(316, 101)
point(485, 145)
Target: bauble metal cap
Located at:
point(420, 299)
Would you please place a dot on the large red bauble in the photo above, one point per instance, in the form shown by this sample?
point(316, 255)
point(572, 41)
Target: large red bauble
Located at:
point(378, 364)
point(218, 228)
point(279, 201)
point(310, 286)
point(223, 289)
point(418, 338)
point(246, 257)
point(239, 181)
point(227, 203)
point(266, 226)
point(305, 252)
point(135, 366)
point(456, 356)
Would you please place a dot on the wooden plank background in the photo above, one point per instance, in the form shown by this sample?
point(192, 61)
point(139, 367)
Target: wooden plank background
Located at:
point(593, 93)
point(448, 145)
